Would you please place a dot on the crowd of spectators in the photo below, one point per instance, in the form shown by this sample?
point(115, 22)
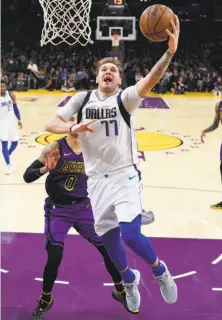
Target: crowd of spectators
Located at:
point(196, 67)
point(69, 69)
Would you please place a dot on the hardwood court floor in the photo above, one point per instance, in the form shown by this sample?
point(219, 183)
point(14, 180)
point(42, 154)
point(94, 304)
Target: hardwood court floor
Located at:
point(180, 184)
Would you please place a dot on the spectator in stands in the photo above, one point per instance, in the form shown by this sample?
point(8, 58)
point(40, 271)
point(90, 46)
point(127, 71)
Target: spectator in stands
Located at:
point(70, 85)
point(21, 83)
point(51, 80)
point(82, 79)
point(64, 76)
point(173, 80)
point(218, 87)
point(191, 83)
point(33, 74)
point(180, 86)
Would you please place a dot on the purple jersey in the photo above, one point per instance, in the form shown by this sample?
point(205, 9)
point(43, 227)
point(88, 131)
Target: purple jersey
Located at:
point(67, 182)
point(220, 110)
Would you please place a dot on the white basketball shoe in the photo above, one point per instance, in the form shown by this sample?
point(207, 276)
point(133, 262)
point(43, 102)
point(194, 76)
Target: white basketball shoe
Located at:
point(168, 287)
point(132, 293)
point(9, 169)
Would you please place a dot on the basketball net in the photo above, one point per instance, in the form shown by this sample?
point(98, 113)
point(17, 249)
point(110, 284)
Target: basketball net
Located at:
point(66, 21)
point(115, 40)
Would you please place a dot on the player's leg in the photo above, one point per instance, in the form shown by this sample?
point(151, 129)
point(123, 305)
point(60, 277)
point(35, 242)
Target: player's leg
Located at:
point(141, 245)
point(56, 229)
point(218, 206)
point(13, 146)
point(84, 225)
point(13, 136)
point(107, 226)
point(128, 213)
point(5, 153)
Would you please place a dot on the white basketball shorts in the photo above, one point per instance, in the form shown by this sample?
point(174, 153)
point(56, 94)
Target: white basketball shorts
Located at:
point(115, 197)
point(9, 131)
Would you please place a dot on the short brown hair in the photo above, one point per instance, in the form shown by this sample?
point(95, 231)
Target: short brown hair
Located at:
point(112, 60)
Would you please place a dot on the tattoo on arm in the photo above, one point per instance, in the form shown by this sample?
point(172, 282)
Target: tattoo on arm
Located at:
point(49, 148)
point(162, 65)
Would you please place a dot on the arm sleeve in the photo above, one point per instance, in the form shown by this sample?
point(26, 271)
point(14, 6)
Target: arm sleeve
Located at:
point(72, 107)
point(16, 111)
point(32, 173)
point(131, 99)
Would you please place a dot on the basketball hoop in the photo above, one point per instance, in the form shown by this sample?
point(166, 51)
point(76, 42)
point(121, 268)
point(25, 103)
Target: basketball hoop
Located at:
point(115, 40)
point(66, 21)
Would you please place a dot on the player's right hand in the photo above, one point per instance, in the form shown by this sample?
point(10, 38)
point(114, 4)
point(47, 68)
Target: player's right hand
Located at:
point(51, 161)
point(82, 127)
point(173, 36)
point(20, 124)
point(202, 136)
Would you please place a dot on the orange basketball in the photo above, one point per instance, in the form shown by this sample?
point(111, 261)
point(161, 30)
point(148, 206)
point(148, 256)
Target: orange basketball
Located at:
point(154, 21)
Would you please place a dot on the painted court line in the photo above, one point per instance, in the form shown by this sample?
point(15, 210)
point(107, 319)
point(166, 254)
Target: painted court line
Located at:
point(216, 289)
point(57, 281)
point(185, 275)
point(217, 260)
point(4, 271)
point(175, 277)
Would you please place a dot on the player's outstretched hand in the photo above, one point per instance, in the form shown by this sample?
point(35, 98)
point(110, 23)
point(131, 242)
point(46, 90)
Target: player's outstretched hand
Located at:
point(174, 36)
point(202, 136)
point(51, 160)
point(82, 127)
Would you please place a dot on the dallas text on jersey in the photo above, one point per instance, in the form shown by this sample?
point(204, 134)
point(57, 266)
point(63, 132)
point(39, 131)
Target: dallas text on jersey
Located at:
point(101, 113)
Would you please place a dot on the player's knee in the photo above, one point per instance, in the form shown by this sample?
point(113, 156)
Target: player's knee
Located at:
point(55, 254)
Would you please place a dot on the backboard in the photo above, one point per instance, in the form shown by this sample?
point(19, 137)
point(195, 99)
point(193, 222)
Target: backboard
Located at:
point(124, 26)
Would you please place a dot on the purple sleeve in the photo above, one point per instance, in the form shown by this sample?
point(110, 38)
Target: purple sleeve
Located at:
point(16, 111)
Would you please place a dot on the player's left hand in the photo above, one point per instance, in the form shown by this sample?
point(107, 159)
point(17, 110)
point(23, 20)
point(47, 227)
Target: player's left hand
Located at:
point(174, 36)
point(83, 127)
point(51, 160)
point(20, 124)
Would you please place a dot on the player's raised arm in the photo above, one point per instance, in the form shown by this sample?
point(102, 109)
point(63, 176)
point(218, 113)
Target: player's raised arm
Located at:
point(214, 125)
point(58, 124)
point(45, 163)
point(146, 84)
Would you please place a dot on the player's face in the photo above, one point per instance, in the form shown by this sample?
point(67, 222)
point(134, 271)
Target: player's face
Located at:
point(108, 77)
point(3, 89)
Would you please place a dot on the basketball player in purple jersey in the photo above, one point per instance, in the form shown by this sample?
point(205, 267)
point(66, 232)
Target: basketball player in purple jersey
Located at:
point(214, 126)
point(67, 206)
point(106, 133)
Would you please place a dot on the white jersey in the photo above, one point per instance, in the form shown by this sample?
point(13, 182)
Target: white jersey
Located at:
point(6, 107)
point(113, 144)
point(8, 123)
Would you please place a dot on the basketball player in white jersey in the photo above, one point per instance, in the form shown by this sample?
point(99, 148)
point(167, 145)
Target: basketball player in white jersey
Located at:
point(109, 149)
point(8, 125)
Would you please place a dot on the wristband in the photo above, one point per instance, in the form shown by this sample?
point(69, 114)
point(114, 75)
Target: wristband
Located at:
point(39, 174)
